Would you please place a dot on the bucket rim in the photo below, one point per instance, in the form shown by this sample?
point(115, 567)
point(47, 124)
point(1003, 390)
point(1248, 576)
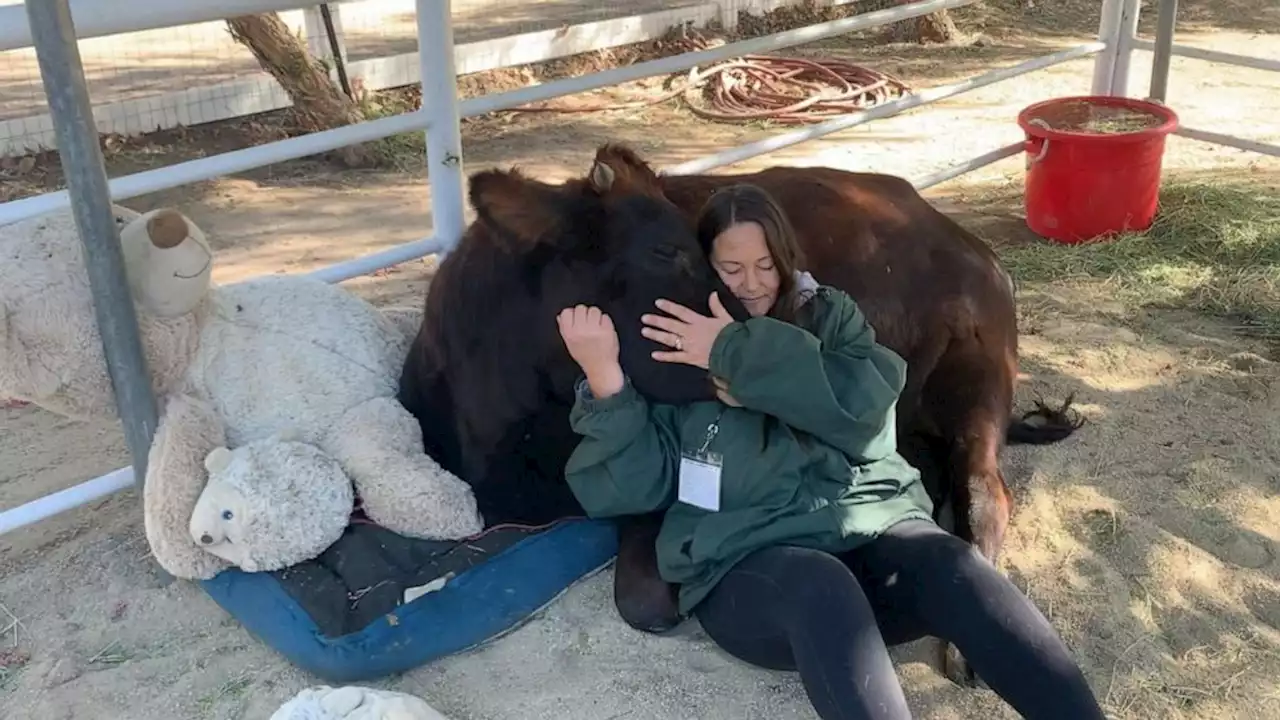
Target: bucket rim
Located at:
point(1169, 118)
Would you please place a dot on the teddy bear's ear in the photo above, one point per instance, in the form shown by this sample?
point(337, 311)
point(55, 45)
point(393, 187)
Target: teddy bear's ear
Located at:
point(217, 460)
point(167, 228)
point(168, 260)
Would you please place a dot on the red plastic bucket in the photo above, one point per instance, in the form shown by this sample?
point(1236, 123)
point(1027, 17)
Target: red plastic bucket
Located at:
point(1093, 165)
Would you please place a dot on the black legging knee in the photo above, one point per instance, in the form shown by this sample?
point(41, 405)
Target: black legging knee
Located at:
point(791, 608)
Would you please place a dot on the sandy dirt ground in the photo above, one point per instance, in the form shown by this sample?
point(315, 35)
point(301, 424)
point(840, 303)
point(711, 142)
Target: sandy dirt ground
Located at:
point(1150, 538)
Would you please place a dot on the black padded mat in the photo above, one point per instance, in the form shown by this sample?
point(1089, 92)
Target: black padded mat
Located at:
point(363, 575)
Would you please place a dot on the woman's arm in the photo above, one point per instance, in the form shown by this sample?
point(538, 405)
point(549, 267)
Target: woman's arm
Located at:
point(628, 459)
point(835, 383)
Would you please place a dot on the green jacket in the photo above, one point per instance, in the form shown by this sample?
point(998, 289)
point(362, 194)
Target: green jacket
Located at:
point(810, 459)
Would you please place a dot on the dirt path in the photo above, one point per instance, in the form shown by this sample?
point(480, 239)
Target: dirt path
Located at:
point(1150, 539)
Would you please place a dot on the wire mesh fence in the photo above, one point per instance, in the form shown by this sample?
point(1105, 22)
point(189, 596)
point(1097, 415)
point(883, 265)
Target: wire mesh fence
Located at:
point(142, 81)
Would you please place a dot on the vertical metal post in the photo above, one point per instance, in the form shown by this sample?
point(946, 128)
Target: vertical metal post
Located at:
point(1165, 23)
point(54, 37)
point(1108, 32)
point(444, 135)
point(1127, 33)
point(336, 51)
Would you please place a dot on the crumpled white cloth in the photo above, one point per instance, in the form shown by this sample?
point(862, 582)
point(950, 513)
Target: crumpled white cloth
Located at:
point(352, 702)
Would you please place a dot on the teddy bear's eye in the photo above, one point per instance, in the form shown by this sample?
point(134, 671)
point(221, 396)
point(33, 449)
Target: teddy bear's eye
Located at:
point(227, 515)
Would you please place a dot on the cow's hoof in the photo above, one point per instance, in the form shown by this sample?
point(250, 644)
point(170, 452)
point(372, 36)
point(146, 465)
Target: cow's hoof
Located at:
point(656, 625)
point(657, 615)
point(956, 668)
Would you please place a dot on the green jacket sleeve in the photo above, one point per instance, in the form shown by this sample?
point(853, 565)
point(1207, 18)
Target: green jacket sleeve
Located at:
point(628, 459)
point(835, 383)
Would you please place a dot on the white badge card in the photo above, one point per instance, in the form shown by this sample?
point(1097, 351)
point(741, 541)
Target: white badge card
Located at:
point(700, 480)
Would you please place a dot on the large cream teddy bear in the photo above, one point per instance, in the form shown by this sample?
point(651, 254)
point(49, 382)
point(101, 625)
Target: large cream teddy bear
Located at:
point(277, 396)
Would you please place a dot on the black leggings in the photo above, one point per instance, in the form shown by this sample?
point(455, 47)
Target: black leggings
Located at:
point(791, 608)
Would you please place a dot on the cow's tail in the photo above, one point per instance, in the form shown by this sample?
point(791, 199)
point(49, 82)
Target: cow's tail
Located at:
point(1044, 424)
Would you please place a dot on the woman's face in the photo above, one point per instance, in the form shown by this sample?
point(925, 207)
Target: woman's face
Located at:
point(741, 256)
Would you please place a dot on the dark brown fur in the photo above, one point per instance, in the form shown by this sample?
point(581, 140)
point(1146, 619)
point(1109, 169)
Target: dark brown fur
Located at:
point(932, 291)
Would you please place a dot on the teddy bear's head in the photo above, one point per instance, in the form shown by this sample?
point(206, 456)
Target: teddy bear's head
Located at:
point(169, 263)
point(50, 351)
point(270, 504)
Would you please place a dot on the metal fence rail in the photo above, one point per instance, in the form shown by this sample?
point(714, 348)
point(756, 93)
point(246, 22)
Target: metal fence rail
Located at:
point(1217, 56)
point(1164, 49)
point(268, 153)
point(95, 18)
point(441, 112)
point(1229, 140)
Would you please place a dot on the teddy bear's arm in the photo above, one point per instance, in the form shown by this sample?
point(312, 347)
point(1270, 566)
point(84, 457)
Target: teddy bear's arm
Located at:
point(188, 431)
point(403, 489)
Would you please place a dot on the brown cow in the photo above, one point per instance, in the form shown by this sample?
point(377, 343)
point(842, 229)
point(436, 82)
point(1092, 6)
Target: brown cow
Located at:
point(488, 356)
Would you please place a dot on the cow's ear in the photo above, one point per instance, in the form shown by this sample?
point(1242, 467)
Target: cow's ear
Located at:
point(525, 209)
point(602, 177)
point(618, 170)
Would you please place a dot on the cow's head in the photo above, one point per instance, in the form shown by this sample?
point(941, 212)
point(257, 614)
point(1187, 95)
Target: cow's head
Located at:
point(611, 239)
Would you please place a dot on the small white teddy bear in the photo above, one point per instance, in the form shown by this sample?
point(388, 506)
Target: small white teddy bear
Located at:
point(354, 703)
point(233, 367)
point(240, 517)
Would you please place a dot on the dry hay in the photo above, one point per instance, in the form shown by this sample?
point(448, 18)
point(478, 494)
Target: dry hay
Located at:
point(1087, 117)
point(1213, 248)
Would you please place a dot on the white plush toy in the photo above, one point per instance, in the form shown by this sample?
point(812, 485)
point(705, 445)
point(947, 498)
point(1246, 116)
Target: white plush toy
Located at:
point(354, 703)
point(280, 391)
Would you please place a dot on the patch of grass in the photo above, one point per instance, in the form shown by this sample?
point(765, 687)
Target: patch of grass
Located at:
point(233, 690)
point(112, 654)
point(405, 151)
point(1214, 248)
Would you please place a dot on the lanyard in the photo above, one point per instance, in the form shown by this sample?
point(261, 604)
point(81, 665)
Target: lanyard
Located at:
point(712, 430)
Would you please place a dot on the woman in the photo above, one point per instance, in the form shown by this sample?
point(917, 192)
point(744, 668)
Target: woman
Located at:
point(798, 535)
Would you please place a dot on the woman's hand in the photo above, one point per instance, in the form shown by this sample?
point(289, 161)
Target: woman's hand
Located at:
point(691, 334)
point(591, 340)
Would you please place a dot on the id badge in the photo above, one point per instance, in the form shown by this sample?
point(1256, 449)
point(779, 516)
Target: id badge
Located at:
point(700, 480)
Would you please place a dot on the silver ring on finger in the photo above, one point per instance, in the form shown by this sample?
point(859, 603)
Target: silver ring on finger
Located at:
point(679, 343)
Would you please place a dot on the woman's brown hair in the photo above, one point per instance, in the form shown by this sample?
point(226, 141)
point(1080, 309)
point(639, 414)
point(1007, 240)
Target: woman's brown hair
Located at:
point(745, 202)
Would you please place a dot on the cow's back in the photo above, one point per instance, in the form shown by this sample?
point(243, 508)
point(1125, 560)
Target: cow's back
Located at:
point(875, 237)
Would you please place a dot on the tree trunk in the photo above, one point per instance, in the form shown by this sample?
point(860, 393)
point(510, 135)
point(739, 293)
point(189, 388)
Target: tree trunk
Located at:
point(935, 28)
point(318, 104)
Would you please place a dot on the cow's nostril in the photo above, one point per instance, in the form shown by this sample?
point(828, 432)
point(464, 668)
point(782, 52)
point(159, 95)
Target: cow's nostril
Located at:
point(206, 539)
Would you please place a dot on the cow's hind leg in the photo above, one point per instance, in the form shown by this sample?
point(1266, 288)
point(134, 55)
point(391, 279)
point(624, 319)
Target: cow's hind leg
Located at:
point(982, 506)
point(974, 407)
point(645, 601)
point(985, 503)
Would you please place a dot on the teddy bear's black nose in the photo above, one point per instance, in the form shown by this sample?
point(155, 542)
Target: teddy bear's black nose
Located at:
point(206, 539)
